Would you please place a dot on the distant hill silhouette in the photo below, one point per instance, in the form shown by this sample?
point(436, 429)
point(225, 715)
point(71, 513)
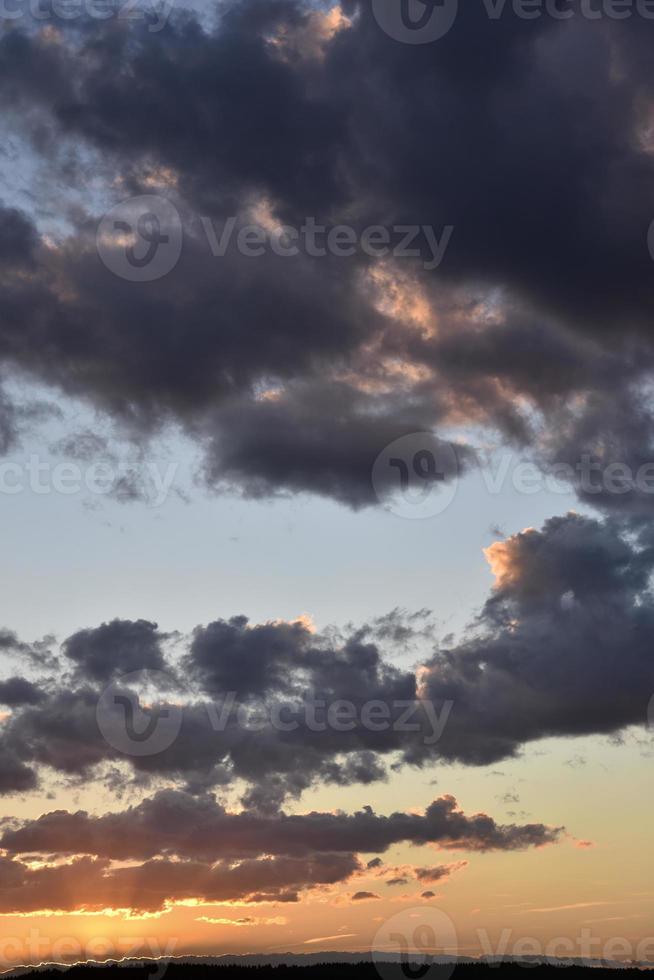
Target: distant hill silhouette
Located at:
point(279, 968)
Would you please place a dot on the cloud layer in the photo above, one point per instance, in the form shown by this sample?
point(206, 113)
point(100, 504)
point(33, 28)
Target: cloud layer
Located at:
point(187, 849)
point(562, 647)
point(532, 139)
point(536, 324)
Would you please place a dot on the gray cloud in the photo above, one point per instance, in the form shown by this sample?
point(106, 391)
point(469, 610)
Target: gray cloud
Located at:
point(17, 691)
point(364, 896)
point(176, 824)
point(115, 648)
point(90, 884)
point(561, 648)
point(542, 303)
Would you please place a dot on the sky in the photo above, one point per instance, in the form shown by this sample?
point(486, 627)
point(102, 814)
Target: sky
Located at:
point(326, 478)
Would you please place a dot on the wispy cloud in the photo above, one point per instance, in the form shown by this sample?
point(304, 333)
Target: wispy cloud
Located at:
point(565, 908)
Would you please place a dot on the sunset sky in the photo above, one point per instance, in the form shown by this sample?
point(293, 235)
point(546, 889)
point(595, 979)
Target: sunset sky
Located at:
point(327, 606)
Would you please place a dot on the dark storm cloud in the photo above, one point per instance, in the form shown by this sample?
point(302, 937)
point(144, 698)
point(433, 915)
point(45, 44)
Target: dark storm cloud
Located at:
point(115, 648)
point(192, 849)
point(38, 655)
point(90, 884)
point(227, 331)
point(60, 733)
point(250, 659)
point(226, 656)
point(18, 239)
point(221, 736)
point(546, 288)
point(562, 647)
point(318, 438)
point(15, 776)
point(7, 424)
point(221, 325)
point(17, 691)
point(173, 823)
point(564, 642)
point(531, 138)
point(438, 873)
point(10, 643)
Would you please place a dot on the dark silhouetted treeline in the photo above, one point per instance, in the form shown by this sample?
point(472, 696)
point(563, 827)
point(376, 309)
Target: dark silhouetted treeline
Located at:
point(332, 971)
